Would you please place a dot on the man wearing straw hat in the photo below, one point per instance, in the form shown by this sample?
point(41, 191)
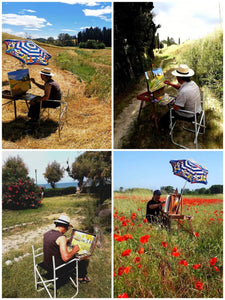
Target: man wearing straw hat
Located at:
point(188, 95)
point(52, 92)
point(55, 244)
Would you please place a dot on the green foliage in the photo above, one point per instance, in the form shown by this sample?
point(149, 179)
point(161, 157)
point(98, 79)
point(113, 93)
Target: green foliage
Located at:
point(60, 191)
point(22, 194)
point(92, 44)
point(53, 173)
point(205, 57)
point(13, 169)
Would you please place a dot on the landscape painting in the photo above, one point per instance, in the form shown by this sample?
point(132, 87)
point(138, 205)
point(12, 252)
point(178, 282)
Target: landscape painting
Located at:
point(19, 82)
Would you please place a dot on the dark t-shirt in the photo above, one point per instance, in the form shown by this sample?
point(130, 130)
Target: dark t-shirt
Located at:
point(153, 212)
point(55, 93)
point(50, 248)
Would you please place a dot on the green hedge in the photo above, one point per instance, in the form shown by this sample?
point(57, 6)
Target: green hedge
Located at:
point(60, 191)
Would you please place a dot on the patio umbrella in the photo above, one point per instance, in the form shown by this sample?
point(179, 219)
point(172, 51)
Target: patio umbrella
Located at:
point(27, 52)
point(190, 170)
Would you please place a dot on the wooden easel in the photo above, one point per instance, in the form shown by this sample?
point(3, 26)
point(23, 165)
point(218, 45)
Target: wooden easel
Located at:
point(173, 210)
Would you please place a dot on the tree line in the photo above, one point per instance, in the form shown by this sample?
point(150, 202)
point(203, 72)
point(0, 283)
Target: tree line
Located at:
point(93, 33)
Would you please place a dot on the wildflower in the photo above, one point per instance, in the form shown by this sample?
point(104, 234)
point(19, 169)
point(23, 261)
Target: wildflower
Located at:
point(137, 259)
point(141, 250)
point(196, 266)
point(126, 270)
point(145, 220)
point(196, 234)
point(144, 239)
point(217, 270)
point(126, 252)
point(175, 254)
point(174, 249)
point(127, 236)
point(164, 244)
point(199, 285)
point(213, 261)
point(139, 266)
point(183, 262)
point(120, 271)
point(123, 295)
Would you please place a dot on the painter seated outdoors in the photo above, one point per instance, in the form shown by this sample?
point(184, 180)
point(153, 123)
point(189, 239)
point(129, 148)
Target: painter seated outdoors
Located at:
point(51, 92)
point(188, 95)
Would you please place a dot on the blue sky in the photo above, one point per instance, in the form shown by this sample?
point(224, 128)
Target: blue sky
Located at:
point(151, 169)
point(49, 19)
point(40, 159)
point(187, 19)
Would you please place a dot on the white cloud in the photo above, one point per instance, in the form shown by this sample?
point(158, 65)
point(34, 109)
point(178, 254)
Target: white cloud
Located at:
point(87, 3)
point(186, 19)
point(99, 12)
point(27, 10)
point(24, 20)
point(68, 30)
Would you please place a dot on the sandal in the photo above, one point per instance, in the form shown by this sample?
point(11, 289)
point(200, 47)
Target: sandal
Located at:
point(82, 280)
point(87, 278)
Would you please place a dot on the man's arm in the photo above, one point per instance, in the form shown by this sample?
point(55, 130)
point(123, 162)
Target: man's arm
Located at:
point(176, 86)
point(41, 86)
point(65, 254)
point(154, 206)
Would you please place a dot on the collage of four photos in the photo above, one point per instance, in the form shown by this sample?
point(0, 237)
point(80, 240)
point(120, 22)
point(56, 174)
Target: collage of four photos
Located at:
point(112, 149)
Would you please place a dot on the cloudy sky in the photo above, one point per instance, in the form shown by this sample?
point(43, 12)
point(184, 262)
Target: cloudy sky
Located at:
point(49, 19)
point(187, 19)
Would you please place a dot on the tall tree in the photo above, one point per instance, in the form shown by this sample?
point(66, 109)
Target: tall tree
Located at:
point(134, 36)
point(53, 173)
point(94, 166)
point(13, 169)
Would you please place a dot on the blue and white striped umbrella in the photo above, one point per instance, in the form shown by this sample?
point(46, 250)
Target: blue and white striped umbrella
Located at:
point(27, 51)
point(190, 170)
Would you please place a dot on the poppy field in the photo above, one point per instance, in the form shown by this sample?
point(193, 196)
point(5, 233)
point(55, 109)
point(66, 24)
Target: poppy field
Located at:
point(153, 262)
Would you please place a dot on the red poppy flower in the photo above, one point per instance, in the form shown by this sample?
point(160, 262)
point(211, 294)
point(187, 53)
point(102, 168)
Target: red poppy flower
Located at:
point(141, 250)
point(144, 239)
point(199, 285)
point(213, 261)
point(174, 249)
point(183, 262)
point(126, 252)
point(175, 254)
point(196, 266)
point(196, 234)
point(145, 220)
point(126, 270)
point(139, 266)
point(217, 270)
point(120, 271)
point(124, 295)
point(164, 244)
point(137, 259)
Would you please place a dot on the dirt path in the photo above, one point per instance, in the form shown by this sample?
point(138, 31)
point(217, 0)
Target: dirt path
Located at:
point(17, 241)
point(125, 120)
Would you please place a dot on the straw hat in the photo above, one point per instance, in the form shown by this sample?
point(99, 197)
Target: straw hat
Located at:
point(183, 71)
point(46, 72)
point(64, 220)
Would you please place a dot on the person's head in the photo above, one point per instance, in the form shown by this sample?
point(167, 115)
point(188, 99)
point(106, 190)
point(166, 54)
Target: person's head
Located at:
point(156, 195)
point(46, 74)
point(63, 223)
point(183, 73)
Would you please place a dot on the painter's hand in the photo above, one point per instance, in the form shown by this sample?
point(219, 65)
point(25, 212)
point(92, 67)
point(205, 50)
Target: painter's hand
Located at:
point(76, 248)
point(167, 82)
point(32, 80)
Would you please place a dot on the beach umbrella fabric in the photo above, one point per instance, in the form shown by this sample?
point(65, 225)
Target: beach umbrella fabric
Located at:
point(27, 52)
point(190, 170)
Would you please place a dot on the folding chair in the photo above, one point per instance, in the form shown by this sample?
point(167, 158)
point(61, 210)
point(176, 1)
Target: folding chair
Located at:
point(199, 123)
point(62, 111)
point(44, 277)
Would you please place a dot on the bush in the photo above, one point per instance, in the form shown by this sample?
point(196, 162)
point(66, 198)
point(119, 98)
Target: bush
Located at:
point(92, 44)
point(20, 195)
point(60, 191)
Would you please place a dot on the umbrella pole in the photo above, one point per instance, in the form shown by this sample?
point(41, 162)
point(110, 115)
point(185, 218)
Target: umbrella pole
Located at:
point(183, 188)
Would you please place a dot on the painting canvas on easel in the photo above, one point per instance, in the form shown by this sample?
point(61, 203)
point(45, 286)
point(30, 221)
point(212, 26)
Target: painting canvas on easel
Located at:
point(172, 204)
point(19, 82)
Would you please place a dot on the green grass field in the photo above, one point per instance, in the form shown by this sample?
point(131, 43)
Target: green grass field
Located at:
point(150, 261)
point(18, 277)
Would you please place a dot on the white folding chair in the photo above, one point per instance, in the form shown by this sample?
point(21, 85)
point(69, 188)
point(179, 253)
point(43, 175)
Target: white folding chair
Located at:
point(62, 111)
point(44, 278)
point(198, 123)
